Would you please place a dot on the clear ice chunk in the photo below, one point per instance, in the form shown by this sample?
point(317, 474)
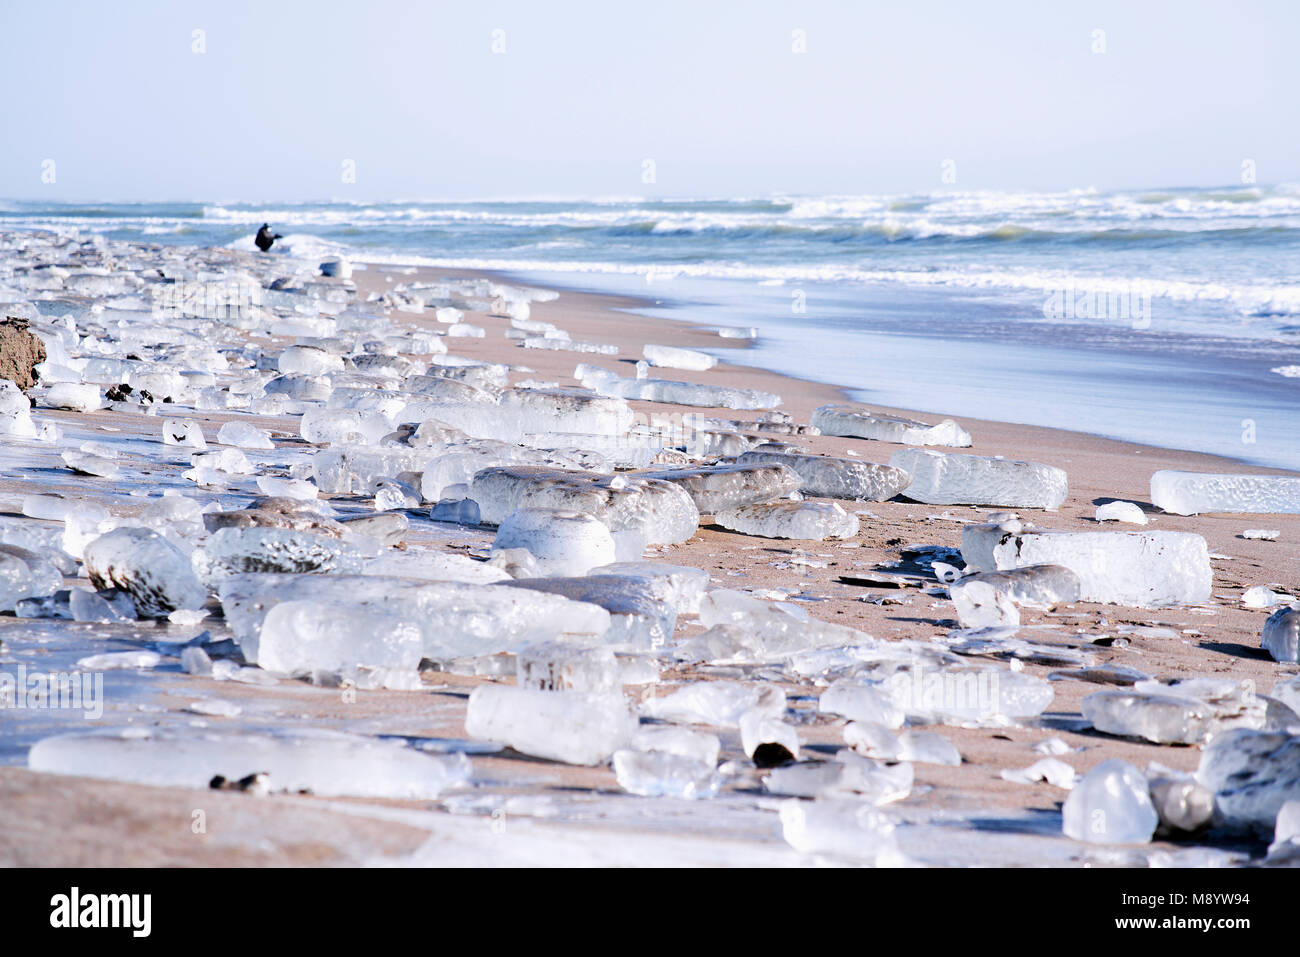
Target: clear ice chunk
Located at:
point(153, 571)
point(717, 487)
point(1111, 804)
point(231, 551)
point(849, 774)
point(457, 619)
point(812, 521)
point(25, 574)
point(1191, 493)
point(563, 542)
point(858, 423)
point(674, 393)
point(568, 666)
point(941, 478)
point(1140, 569)
point(1281, 635)
point(336, 637)
point(244, 435)
point(673, 357)
point(638, 618)
point(660, 511)
point(1121, 512)
point(681, 586)
point(661, 774)
point(716, 703)
point(324, 763)
point(849, 829)
point(830, 477)
point(1252, 774)
point(699, 746)
point(569, 726)
point(1181, 802)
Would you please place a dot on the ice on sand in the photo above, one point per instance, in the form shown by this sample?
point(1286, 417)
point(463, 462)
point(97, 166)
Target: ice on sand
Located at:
point(568, 666)
point(716, 487)
point(336, 637)
point(563, 542)
point(814, 521)
point(980, 604)
point(153, 571)
point(1034, 586)
point(231, 551)
point(1141, 569)
point(568, 726)
point(1111, 804)
point(716, 703)
point(848, 775)
point(848, 421)
point(676, 393)
point(681, 586)
point(662, 774)
point(1121, 512)
point(25, 574)
point(1281, 635)
point(456, 619)
point(941, 478)
point(673, 357)
point(1191, 493)
point(1175, 712)
point(862, 703)
point(836, 478)
point(1181, 802)
point(840, 828)
point(658, 511)
point(638, 617)
point(1252, 774)
point(326, 763)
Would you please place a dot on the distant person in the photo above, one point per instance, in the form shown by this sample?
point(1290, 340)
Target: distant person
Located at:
point(265, 239)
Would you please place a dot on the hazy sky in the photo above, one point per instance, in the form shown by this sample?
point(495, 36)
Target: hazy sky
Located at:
point(584, 93)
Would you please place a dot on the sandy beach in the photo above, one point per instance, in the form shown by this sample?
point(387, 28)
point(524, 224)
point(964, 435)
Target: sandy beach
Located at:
point(522, 810)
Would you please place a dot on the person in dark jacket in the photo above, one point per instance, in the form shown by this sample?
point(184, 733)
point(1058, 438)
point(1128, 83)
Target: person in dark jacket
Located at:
point(265, 238)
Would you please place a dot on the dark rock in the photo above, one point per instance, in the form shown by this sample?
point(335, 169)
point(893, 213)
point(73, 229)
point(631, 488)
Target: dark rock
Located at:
point(20, 353)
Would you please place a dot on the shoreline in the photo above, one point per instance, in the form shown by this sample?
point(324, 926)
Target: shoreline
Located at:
point(635, 306)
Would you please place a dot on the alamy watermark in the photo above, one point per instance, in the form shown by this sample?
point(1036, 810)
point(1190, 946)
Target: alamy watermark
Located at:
point(205, 300)
point(971, 695)
point(42, 691)
point(1127, 304)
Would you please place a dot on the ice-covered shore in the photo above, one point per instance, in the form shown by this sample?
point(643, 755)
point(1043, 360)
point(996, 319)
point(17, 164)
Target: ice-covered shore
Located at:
point(377, 510)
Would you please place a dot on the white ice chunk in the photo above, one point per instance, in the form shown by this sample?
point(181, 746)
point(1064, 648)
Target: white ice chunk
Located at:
point(154, 572)
point(1121, 512)
point(940, 478)
point(1281, 635)
point(569, 726)
point(1191, 493)
point(1252, 775)
point(563, 542)
point(661, 774)
point(73, 396)
point(858, 423)
point(325, 763)
point(245, 435)
point(831, 477)
point(1111, 804)
point(672, 357)
point(1141, 569)
point(814, 521)
point(838, 828)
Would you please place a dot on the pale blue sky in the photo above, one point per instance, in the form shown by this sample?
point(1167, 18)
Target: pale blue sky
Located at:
point(584, 92)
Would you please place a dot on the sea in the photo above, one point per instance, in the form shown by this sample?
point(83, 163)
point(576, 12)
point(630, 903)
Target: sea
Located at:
point(1164, 316)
